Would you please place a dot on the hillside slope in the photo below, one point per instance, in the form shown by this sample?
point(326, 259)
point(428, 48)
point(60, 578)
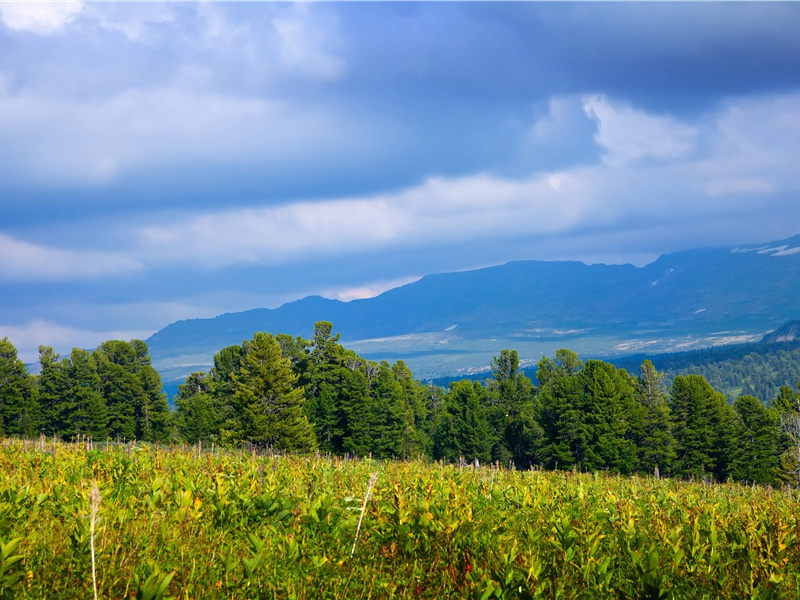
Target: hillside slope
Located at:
point(454, 322)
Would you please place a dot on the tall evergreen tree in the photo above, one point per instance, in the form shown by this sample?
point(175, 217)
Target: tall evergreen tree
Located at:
point(269, 408)
point(609, 409)
point(653, 437)
point(463, 430)
point(54, 386)
point(757, 451)
point(704, 427)
point(511, 412)
point(153, 417)
point(418, 441)
point(197, 414)
point(393, 435)
point(325, 377)
point(19, 407)
point(84, 411)
point(559, 410)
point(120, 387)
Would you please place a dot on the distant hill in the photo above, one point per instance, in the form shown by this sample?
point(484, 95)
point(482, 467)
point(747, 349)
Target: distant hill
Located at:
point(453, 323)
point(788, 332)
point(758, 368)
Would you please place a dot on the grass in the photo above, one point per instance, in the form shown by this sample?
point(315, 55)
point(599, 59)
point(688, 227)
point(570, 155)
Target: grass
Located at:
point(177, 523)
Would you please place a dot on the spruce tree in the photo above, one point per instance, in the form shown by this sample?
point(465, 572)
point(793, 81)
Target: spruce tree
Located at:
point(19, 407)
point(559, 411)
point(463, 431)
point(511, 412)
point(653, 435)
point(269, 406)
point(704, 428)
point(84, 411)
point(54, 385)
point(758, 452)
point(197, 416)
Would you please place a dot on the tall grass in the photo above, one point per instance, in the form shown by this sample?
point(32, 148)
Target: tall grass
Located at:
point(185, 524)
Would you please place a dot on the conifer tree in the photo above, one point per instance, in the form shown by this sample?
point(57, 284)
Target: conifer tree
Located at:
point(462, 430)
point(559, 410)
point(653, 436)
point(609, 409)
point(704, 428)
point(54, 385)
point(511, 412)
point(84, 411)
point(19, 407)
point(197, 415)
point(269, 408)
point(757, 451)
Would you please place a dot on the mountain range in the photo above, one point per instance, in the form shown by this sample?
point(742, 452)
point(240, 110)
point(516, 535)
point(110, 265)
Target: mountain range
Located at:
point(452, 323)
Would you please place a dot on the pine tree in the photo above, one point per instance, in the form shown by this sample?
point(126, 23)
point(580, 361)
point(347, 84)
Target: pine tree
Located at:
point(269, 408)
point(653, 436)
point(559, 411)
point(609, 408)
point(19, 407)
point(54, 385)
point(704, 428)
point(197, 416)
point(84, 411)
point(463, 430)
point(511, 412)
point(757, 456)
point(120, 388)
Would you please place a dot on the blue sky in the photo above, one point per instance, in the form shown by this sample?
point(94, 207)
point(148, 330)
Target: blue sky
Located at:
point(163, 161)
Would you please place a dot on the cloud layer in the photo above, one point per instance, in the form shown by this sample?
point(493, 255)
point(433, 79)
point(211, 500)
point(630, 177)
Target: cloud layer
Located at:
point(205, 157)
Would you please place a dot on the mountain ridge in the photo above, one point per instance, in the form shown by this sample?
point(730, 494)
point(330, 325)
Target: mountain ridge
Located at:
point(452, 322)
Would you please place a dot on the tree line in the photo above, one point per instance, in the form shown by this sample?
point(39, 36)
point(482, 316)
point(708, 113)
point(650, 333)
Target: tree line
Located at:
point(752, 369)
point(298, 395)
point(112, 392)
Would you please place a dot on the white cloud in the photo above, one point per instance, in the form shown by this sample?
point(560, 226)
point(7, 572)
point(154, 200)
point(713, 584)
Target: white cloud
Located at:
point(24, 261)
point(367, 290)
point(440, 209)
point(751, 142)
point(628, 135)
point(42, 18)
point(40, 332)
point(308, 42)
point(734, 161)
point(134, 20)
point(64, 141)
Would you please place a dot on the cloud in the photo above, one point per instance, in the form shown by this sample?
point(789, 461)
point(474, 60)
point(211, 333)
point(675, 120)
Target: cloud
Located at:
point(24, 261)
point(628, 135)
point(42, 18)
point(308, 42)
point(94, 143)
point(693, 172)
point(367, 290)
point(41, 332)
point(439, 209)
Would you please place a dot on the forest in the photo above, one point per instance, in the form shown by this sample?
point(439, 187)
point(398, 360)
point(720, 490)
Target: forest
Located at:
point(757, 369)
point(295, 395)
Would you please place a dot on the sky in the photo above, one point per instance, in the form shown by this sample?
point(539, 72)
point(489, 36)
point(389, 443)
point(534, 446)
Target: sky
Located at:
point(165, 161)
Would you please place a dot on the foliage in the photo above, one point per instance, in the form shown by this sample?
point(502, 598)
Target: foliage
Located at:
point(296, 395)
point(756, 369)
point(175, 522)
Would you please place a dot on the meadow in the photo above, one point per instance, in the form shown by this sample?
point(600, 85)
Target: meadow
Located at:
point(144, 521)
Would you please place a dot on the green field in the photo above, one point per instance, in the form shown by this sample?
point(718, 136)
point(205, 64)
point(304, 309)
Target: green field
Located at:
point(194, 523)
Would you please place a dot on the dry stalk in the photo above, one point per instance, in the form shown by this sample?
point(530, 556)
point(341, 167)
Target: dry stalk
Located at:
point(372, 481)
point(94, 501)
